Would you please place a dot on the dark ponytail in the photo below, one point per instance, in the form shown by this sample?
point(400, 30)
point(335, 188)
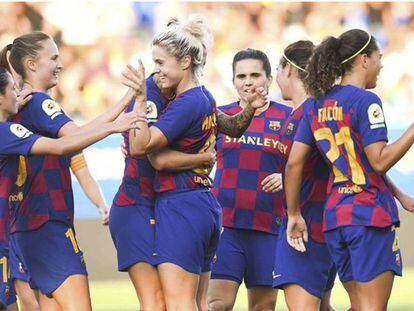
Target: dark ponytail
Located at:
point(4, 79)
point(334, 57)
point(3, 57)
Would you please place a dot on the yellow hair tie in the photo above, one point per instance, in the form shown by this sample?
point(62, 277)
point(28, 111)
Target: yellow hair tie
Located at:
point(359, 51)
point(293, 64)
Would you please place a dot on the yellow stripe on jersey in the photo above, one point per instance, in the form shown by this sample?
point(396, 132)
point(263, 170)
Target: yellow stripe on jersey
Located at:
point(77, 162)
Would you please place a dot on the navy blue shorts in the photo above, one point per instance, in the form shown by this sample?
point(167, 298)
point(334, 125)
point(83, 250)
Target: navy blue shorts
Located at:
point(132, 230)
point(362, 253)
point(50, 254)
point(313, 270)
point(187, 229)
point(17, 270)
point(7, 294)
point(245, 255)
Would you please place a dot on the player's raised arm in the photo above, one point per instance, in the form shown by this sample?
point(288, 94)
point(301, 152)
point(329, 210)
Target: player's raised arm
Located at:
point(73, 143)
point(236, 125)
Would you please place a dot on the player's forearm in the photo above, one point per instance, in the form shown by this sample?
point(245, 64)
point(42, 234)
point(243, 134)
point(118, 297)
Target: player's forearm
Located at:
point(71, 143)
point(292, 185)
point(139, 139)
point(396, 191)
point(175, 161)
point(90, 187)
point(390, 154)
point(236, 125)
point(111, 113)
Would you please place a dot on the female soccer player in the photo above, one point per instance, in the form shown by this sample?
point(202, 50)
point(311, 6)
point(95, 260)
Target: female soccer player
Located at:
point(46, 211)
point(27, 297)
point(17, 140)
point(347, 125)
point(132, 213)
point(306, 279)
point(187, 216)
point(244, 185)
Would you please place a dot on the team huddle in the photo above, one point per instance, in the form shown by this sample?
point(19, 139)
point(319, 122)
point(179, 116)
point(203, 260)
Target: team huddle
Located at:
point(300, 194)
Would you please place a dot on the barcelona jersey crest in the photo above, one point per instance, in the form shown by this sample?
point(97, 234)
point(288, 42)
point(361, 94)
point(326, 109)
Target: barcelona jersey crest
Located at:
point(274, 125)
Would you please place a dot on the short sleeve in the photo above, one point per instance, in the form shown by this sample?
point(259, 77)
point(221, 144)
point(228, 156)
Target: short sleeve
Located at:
point(44, 115)
point(177, 119)
point(370, 121)
point(304, 133)
point(16, 139)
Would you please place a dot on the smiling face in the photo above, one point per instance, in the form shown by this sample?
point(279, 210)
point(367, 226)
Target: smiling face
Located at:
point(373, 69)
point(8, 100)
point(47, 65)
point(167, 67)
point(249, 74)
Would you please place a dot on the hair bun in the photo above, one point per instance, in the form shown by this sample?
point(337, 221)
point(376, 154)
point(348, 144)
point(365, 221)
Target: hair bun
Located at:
point(173, 22)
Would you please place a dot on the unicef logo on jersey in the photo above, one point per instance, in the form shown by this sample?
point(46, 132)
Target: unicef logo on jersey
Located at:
point(51, 108)
point(152, 111)
point(20, 131)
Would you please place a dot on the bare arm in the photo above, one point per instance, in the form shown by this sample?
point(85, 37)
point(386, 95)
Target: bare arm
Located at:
point(236, 125)
point(382, 156)
point(73, 143)
point(407, 202)
point(108, 116)
point(297, 232)
point(90, 187)
point(175, 161)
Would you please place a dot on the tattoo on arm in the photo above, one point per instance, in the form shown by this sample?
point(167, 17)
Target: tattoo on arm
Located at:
point(236, 125)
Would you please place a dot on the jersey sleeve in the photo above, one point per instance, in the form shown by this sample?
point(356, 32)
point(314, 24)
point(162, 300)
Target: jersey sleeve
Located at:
point(16, 139)
point(370, 121)
point(45, 115)
point(178, 118)
point(304, 133)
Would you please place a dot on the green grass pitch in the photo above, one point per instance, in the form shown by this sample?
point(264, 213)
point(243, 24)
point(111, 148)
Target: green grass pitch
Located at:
point(120, 295)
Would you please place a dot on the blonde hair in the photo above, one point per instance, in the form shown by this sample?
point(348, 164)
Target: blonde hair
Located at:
point(189, 38)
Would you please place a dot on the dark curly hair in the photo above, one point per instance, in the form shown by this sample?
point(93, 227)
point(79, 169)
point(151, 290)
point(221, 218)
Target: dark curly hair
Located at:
point(333, 58)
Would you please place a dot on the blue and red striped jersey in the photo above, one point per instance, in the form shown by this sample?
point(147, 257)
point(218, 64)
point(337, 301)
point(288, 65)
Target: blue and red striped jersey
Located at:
point(341, 124)
point(314, 179)
point(137, 186)
point(243, 163)
point(16, 140)
point(189, 124)
point(47, 190)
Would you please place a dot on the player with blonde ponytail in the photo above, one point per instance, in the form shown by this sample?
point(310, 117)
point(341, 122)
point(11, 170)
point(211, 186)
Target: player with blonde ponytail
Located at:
point(187, 216)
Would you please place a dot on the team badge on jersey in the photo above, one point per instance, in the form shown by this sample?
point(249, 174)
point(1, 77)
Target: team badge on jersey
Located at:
point(51, 108)
point(290, 128)
point(152, 112)
point(20, 131)
point(274, 125)
point(376, 116)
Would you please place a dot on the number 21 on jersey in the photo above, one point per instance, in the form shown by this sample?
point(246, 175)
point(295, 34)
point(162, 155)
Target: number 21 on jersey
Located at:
point(343, 137)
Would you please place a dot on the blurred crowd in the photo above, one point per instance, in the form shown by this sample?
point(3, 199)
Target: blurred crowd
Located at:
point(97, 39)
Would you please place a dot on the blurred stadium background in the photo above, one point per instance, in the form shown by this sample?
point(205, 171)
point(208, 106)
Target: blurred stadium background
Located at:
point(97, 39)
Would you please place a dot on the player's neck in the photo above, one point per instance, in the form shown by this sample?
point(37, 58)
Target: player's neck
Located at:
point(3, 116)
point(355, 79)
point(299, 95)
point(37, 87)
point(188, 82)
